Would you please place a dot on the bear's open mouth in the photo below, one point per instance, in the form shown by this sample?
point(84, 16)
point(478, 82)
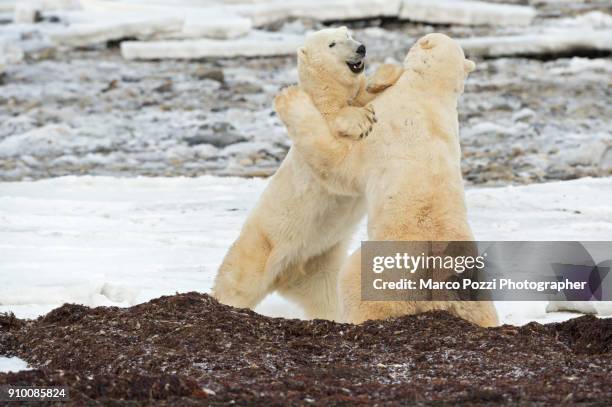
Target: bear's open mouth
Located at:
point(356, 67)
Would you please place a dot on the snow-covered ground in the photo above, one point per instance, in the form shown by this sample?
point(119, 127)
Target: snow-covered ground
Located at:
point(12, 364)
point(118, 241)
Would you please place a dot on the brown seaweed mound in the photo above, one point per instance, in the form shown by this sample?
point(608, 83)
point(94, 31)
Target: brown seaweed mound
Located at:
point(188, 349)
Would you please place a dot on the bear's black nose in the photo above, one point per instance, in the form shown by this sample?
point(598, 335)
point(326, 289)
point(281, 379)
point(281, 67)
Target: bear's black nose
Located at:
point(361, 50)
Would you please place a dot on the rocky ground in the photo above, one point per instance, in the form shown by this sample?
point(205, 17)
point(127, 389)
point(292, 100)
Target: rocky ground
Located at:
point(188, 349)
point(90, 111)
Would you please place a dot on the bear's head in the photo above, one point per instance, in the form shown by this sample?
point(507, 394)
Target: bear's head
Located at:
point(439, 60)
point(331, 55)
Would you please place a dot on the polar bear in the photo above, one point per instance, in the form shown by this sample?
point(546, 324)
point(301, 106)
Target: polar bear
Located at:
point(409, 169)
point(294, 240)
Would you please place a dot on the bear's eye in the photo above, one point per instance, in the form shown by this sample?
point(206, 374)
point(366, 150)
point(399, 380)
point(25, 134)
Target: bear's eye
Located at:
point(333, 44)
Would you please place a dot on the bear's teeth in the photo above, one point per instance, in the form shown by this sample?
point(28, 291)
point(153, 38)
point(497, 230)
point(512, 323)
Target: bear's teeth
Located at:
point(356, 67)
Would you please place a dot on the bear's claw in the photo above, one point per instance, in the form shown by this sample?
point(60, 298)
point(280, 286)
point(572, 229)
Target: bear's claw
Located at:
point(371, 118)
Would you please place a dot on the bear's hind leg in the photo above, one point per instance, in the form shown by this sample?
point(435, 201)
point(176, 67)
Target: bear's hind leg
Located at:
point(353, 309)
point(242, 280)
point(315, 286)
point(482, 313)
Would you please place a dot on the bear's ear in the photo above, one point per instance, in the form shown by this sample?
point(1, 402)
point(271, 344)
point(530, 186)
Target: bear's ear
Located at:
point(426, 43)
point(468, 65)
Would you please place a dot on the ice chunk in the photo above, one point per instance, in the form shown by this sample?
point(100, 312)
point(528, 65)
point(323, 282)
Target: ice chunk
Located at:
point(210, 21)
point(84, 34)
point(256, 44)
point(7, 5)
point(27, 12)
point(60, 4)
point(587, 153)
point(466, 12)
point(266, 12)
point(50, 141)
point(593, 19)
point(215, 25)
point(550, 42)
point(9, 54)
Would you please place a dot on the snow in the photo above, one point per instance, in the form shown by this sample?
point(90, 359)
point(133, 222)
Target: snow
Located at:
point(593, 307)
point(466, 12)
point(12, 364)
point(51, 140)
point(256, 44)
point(122, 241)
point(548, 42)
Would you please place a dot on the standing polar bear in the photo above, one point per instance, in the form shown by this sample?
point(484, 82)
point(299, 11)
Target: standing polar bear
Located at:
point(294, 241)
point(409, 169)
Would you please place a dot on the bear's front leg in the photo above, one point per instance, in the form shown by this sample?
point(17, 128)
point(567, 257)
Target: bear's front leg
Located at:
point(330, 157)
point(384, 77)
point(299, 114)
point(354, 122)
